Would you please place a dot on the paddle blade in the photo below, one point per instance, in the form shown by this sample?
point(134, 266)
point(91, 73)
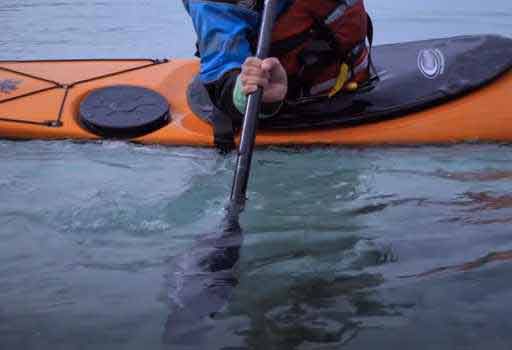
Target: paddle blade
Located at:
point(202, 282)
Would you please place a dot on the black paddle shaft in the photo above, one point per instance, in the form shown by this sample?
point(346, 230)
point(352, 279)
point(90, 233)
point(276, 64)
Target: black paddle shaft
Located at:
point(245, 150)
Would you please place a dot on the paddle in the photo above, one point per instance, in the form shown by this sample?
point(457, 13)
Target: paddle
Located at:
point(243, 167)
point(204, 277)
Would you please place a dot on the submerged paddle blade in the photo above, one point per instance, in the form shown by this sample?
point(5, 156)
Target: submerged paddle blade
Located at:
point(202, 282)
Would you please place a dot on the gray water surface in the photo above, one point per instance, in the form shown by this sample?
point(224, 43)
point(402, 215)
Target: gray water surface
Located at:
point(345, 248)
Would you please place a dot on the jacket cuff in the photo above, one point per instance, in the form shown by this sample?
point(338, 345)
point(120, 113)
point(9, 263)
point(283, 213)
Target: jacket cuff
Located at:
point(240, 102)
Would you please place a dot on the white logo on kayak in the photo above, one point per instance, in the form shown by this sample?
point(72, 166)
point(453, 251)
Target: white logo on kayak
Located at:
point(431, 63)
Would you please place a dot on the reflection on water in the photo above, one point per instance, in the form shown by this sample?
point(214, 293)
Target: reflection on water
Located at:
point(478, 263)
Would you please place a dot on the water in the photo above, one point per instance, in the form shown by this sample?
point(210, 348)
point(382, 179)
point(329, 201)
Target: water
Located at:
point(352, 248)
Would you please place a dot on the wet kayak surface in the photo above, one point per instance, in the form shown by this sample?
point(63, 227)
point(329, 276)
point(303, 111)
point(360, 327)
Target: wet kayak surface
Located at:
point(351, 248)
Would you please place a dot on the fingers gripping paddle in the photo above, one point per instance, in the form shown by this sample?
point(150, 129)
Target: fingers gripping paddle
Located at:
point(204, 277)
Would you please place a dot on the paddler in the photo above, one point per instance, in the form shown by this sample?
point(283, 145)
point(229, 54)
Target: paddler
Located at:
point(318, 48)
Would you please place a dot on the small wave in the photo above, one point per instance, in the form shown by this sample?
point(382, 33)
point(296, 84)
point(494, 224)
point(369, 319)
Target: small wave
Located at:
point(487, 201)
point(378, 207)
point(494, 257)
point(480, 208)
point(132, 266)
point(461, 176)
point(152, 226)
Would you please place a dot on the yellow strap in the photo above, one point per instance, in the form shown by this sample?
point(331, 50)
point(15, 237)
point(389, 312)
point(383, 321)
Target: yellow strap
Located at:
point(341, 81)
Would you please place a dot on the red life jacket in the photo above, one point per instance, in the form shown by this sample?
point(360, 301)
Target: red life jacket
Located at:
point(314, 38)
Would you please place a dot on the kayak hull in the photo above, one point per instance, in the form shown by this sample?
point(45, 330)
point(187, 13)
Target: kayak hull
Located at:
point(34, 109)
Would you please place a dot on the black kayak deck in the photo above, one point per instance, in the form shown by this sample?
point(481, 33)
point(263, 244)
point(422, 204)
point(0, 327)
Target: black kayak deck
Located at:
point(410, 77)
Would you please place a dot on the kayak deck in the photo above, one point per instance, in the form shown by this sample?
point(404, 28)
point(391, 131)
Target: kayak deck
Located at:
point(41, 100)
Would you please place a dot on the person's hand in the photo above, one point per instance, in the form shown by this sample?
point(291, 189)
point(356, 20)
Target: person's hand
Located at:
point(268, 74)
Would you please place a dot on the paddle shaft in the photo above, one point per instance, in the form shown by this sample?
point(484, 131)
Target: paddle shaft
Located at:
point(245, 150)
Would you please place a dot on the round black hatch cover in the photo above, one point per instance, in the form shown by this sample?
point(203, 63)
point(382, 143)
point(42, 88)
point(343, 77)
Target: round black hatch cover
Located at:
point(124, 111)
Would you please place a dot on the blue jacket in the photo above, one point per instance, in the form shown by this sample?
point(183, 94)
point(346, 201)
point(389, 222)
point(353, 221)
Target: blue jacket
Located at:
point(225, 31)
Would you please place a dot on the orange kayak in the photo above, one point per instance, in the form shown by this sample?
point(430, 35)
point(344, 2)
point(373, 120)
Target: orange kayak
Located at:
point(436, 91)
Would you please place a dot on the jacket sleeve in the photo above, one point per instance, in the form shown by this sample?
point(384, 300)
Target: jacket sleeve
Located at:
point(221, 94)
point(224, 31)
